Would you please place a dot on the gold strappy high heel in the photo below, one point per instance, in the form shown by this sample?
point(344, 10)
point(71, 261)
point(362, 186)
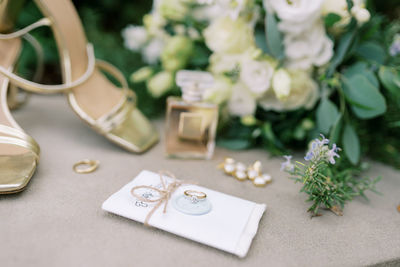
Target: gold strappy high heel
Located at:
point(108, 110)
point(19, 153)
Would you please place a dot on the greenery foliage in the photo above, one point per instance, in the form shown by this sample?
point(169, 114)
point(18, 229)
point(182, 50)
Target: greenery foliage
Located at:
point(328, 184)
point(361, 98)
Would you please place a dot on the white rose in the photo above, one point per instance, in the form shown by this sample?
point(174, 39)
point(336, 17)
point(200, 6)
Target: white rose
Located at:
point(152, 52)
point(296, 15)
point(180, 29)
point(281, 83)
point(135, 37)
point(256, 75)
point(222, 63)
point(313, 47)
point(303, 93)
point(206, 13)
point(173, 9)
point(225, 35)
point(232, 8)
point(205, 2)
point(227, 8)
point(193, 33)
point(154, 24)
point(242, 102)
point(220, 91)
point(338, 7)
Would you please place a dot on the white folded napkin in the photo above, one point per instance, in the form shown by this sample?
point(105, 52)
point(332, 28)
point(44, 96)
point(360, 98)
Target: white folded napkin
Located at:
point(230, 225)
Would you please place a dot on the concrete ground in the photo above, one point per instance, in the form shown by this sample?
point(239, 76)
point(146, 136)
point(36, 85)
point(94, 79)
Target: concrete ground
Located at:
point(58, 220)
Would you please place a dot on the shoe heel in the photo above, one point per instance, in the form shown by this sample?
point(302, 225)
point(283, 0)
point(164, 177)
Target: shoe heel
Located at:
point(9, 10)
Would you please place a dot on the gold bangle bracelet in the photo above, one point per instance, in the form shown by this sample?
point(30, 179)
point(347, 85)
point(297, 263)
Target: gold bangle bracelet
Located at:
point(92, 165)
point(196, 194)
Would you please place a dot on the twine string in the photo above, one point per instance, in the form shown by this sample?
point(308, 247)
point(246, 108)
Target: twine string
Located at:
point(164, 194)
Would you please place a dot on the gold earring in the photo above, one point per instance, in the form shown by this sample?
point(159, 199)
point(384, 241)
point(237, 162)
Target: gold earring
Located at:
point(240, 171)
point(262, 180)
point(228, 166)
point(254, 170)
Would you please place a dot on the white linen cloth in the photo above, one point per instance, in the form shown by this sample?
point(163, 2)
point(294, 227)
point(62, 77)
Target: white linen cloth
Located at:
point(230, 225)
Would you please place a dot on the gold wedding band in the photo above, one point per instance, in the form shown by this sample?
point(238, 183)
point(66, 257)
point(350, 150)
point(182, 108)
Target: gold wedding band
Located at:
point(196, 194)
point(92, 165)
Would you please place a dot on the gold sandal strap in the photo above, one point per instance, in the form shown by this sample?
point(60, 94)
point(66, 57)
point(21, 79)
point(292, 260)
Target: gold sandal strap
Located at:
point(107, 123)
point(18, 138)
point(49, 89)
point(40, 23)
point(114, 71)
point(37, 47)
point(13, 97)
point(119, 114)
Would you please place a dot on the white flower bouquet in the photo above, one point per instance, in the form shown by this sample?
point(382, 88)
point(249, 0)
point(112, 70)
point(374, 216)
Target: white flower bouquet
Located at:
point(285, 70)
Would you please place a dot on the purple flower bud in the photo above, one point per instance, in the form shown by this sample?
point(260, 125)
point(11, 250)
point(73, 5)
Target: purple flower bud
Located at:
point(287, 165)
point(331, 154)
point(394, 49)
point(309, 156)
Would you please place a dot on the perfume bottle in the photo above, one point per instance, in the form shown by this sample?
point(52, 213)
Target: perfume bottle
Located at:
point(191, 122)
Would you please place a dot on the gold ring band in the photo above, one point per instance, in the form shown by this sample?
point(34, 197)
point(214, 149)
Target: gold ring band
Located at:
point(196, 194)
point(92, 165)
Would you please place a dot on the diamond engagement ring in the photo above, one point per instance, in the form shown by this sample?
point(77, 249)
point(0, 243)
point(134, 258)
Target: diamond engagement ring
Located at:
point(195, 196)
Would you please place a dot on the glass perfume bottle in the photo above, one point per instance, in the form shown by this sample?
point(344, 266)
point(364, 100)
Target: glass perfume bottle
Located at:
point(191, 123)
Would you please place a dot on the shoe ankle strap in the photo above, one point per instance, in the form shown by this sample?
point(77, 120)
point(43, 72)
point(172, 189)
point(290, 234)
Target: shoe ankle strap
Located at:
point(40, 23)
point(50, 89)
point(13, 97)
point(45, 88)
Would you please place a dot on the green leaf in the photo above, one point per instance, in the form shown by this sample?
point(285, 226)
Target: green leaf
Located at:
point(351, 144)
point(356, 68)
point(267, 132)
point(336, 129)
point(372, 51)
point(261, 41)
point(350, 4)
point(361, 68)
point(200, 56)
point(274, 38)
point(331, 19)
point(327, 114)
point(370, 75)
point(388, 77)
point(366, 100)
point(343, 47)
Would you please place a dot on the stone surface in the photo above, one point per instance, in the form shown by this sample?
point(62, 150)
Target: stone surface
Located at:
point(58, 221)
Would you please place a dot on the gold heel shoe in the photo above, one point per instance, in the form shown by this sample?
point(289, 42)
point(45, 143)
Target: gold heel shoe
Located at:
point(19, 153)
point(98, 102)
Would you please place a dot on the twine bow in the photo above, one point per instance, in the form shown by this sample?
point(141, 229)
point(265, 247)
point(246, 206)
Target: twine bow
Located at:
point(164, 193)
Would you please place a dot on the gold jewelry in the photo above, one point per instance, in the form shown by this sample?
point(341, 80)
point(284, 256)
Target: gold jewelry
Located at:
point(195, 194)
point(253, 171)
point(92, 165)
point(240, 171)
point(228, 166)
point(262, 180)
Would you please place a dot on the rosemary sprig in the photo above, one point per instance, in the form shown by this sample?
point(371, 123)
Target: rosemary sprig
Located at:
point(327, 184)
